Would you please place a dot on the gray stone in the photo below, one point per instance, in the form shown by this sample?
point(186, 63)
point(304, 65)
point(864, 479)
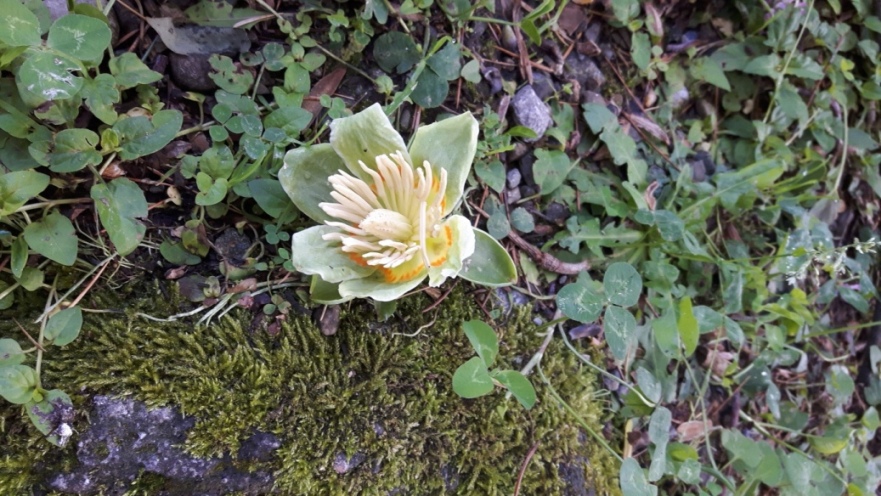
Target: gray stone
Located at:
point(531, 112)
point(584, 70)
point(514, 178)
point(190, 72)
point(125, 439)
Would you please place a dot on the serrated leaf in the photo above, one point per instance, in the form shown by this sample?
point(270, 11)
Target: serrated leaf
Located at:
point(710, 71)
point(53, 237)
point(483, 339)
point(64, 326)
point(472, 379)
point(100, 94)
point(129, 71)
point(492, 173)
point(550, 169)
point(120, 204)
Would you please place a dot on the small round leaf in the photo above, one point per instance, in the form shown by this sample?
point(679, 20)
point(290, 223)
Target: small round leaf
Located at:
point(64, 326)
point(519, 386)
point(622, 284)
point(81, 37)
point(18, 383)
point(483, 339)
point(10, 352)
point(472, 379)
point(581, 301)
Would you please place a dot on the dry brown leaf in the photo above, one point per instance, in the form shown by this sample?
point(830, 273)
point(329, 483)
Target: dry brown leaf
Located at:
point(693, 429)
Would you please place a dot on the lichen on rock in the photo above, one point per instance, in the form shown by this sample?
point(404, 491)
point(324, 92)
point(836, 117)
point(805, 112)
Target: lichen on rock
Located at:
point(367, 410)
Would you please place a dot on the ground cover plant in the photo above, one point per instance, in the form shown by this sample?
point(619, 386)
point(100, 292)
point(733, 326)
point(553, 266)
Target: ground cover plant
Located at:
point(683, 194)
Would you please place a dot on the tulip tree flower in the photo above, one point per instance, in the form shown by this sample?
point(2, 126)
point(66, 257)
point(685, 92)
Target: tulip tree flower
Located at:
point(386, 211)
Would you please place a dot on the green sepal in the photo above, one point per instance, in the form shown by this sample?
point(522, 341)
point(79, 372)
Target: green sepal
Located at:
point(450, 144)
point(304, 178)
point(490, 265)
point(311, 254)
point(363, 137)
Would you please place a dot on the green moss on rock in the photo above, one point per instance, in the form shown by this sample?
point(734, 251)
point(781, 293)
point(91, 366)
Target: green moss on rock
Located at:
point(367, 410)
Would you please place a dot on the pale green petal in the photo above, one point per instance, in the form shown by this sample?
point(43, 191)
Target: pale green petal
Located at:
point(326, 293)
point(304, 178)
point(490, 265)
point(375, 287)
point(310, 254)
point(462, 248)
point(364, 136)
point(451, 144)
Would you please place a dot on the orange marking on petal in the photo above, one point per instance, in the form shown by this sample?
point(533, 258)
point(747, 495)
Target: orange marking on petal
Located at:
point(358, 259)
point(391, 277)
point(448, 232)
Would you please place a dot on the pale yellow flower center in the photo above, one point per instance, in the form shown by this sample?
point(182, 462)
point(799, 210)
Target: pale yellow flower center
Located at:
point(387, 223)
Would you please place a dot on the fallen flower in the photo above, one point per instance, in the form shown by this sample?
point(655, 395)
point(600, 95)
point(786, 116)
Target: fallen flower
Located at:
point(391, 224)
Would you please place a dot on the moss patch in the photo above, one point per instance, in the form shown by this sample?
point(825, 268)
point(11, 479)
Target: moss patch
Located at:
point(366, 396)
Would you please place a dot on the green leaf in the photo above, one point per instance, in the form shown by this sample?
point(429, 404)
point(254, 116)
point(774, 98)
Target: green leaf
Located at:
point(20, 26)
point(446, 62)
point(211, 191)
point(81, 37)
point(176, 254)
point(472, 379)
point(18, 383)
point(7, 301)
point(709, 70)
point(522, 220)
point(74, 149)
point(622, 284)
point(271, 197)
point(483, 339)
point(471, 71)
point(689, 331)
point(312, 254)
point(292, 119)
point(119, 204)
point(431, 89)
point(64, 326)
point(659, 435)
point(365, 136)
point(598, 117)
point(48, 414)
point(19, 256)
point(633, 481)
point(550, 169)
point(53, 237)
point(497, 225)
point(31, 279)
point(100, 95)
point(129, 71)
point(490, 265)
point(666, 332)
point(581, 300)
point(492, 173)
point(620, 329)
point(228, 76)
point(395, 51)
point(450, 144)
point(641, 49)
point(304, 178)
point(47, 76)
point(326, 293)
point(139, 136)
point(16, 188)
point(519, 386)
point(764, 65)
point(10, 352)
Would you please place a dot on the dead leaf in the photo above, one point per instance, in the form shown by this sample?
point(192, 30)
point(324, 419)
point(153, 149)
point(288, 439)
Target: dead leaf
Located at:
point(693, 429)
point(648, 126)
point(248, 284)
point(176, 273)
point(204, 40)
point(325, 86)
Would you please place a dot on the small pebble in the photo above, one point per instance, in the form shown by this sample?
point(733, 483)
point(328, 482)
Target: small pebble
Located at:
point(514, 178)
point(531, 112)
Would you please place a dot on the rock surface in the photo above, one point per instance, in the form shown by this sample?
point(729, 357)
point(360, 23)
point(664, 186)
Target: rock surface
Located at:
point(530, 111)
point(125, 438)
